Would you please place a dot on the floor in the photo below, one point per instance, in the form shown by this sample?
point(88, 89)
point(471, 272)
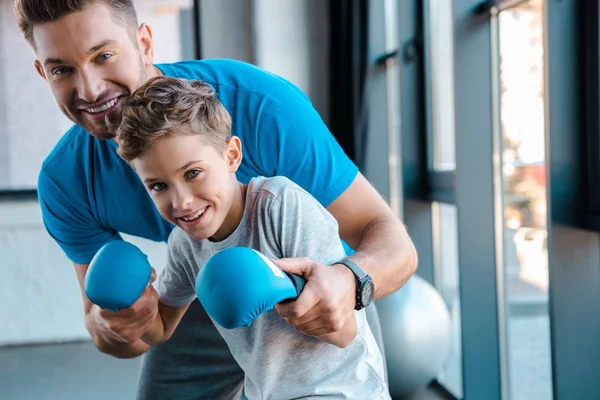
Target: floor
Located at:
point(77, 371)
point(73, 371)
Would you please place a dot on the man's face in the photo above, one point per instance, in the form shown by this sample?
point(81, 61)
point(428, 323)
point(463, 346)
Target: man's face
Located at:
point(93, 62)
point(193, 184)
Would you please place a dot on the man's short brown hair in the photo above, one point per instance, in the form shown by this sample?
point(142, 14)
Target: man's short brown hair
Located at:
point(30, 13)
point(164, 106)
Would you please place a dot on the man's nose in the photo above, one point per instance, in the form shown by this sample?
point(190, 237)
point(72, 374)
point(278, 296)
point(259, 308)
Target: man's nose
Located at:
point(91, 86)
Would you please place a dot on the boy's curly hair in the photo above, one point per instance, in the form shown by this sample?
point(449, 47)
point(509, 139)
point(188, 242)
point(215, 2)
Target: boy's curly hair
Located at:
point(165, 106)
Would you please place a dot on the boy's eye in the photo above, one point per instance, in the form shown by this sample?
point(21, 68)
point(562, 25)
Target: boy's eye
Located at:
point(192, 174)
point(157, 186)
point(104, 56)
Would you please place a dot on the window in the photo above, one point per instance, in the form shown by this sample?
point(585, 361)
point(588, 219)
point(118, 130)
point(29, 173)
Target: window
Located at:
point(525, 266)
point(446, 281)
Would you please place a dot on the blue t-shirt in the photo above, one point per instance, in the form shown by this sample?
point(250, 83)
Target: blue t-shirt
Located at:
point(89, 195)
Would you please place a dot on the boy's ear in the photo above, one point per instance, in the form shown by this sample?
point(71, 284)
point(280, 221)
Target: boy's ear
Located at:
point(233, 153)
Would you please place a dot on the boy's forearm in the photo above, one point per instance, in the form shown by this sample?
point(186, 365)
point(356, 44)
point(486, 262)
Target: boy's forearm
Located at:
point(113, 347)
point(157, 333)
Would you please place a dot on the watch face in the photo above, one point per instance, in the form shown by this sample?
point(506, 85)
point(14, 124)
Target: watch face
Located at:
point(367, 293)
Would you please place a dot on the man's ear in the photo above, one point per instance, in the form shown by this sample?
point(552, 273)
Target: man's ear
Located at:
point(146, 44)
point(40, 69)
point(233, 153)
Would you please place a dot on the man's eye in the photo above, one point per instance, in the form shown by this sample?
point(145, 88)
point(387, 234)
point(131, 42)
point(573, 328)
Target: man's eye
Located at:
point(157, 187)
point(192, 174)
point(60, 71)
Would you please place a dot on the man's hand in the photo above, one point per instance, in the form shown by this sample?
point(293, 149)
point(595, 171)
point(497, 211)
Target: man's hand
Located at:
point(129, 324)
point(326, 305)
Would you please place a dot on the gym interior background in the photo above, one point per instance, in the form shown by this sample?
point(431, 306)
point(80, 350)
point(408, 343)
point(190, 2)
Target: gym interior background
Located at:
point(476, 120)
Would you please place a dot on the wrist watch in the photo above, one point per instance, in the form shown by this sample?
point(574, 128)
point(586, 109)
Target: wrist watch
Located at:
point(365, 289)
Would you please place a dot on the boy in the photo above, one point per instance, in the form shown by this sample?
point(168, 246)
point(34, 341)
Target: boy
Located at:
point(176, 135)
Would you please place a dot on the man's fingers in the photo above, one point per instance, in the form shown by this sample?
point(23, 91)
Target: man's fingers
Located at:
point(152, 277)
point(317, 332)
point(297, 266)
point(309, 327)
point(113, 335)
point(304, 303)
point(325, 324)
point(313, 314)
point(145, 305)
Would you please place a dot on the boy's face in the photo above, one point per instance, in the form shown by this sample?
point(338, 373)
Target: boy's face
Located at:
point(193, 184)
point(92, 63)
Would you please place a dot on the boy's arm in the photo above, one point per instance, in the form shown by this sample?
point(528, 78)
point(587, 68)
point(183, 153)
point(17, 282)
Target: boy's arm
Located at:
point(175, 290)
point(164, 323)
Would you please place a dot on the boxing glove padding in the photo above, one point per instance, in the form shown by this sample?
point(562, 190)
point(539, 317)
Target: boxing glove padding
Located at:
point(238, 284)
point(117, 275)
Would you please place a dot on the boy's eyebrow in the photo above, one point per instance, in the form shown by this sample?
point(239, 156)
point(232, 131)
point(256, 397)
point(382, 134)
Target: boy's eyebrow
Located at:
point(188, 164)
point(148, 180)
point(93, 49)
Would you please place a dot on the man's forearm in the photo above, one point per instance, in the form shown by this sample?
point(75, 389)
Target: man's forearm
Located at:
point(344, 337)
point(113, 347)
point(387, 254)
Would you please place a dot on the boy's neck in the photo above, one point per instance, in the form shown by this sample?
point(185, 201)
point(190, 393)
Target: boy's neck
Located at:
point(234, 217)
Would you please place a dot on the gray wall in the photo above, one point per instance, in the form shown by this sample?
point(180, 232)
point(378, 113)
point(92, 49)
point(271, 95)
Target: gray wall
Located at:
point(287, 37)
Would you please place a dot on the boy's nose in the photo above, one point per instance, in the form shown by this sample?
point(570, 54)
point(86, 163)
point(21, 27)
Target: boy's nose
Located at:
point(182, 200)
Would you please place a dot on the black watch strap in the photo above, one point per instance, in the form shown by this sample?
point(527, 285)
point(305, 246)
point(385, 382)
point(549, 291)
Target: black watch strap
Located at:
point(361, 276)
point(358, 272)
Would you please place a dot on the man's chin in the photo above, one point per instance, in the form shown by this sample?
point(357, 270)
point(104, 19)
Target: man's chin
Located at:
point(99, 131)
point(103, 136)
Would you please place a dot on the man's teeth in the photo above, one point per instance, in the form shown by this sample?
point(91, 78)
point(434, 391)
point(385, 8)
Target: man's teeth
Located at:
point(103, 107)
point(194, 217)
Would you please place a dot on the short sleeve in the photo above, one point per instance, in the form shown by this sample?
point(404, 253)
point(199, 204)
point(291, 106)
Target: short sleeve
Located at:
point(176, 283)
point(302, 226)
point(69, 221)
point(292, 133)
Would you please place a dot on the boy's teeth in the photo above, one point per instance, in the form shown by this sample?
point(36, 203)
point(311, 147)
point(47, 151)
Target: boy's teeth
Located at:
point(194, 217)
point(103, 107)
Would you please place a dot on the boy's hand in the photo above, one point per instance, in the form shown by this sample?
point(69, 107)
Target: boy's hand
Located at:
point(129, 324)
point(326, 305)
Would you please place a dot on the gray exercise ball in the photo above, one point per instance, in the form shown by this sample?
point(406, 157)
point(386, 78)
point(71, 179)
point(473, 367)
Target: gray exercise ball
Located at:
point(416, 330)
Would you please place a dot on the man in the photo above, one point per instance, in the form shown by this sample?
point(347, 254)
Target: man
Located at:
point(94, 55)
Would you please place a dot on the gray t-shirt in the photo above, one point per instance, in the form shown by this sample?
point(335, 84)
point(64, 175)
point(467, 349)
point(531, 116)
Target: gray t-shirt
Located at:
point(281, 220)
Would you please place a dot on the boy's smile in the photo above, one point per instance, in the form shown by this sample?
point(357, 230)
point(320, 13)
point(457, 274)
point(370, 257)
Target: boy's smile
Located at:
point(193, 184)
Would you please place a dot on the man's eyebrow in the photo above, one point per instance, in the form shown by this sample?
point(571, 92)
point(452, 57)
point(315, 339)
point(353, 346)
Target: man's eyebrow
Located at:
point(100, 45)
point(52, 60)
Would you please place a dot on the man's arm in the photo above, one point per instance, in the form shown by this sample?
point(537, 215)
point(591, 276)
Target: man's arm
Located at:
point(383, 247)
point(383, 250)
point(114, 334)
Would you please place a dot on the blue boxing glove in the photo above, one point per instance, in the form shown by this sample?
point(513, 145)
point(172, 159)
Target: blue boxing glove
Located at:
point(117, 276)
point(238, 284)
